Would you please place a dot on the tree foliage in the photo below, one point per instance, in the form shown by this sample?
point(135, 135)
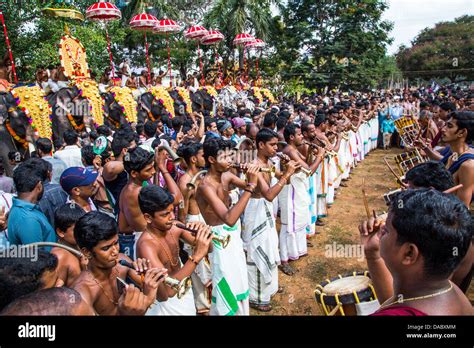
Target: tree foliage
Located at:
point(443, 51)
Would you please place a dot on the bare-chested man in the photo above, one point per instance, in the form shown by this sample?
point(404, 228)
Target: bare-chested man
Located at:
point(229, 272)
point(193, 155)
point(160, 244)
point(294, 202)
point(140, 166)
point(97, 236)
point(260, 234)
point(69, 265)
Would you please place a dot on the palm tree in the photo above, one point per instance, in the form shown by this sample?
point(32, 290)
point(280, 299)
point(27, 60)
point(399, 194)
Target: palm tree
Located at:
point(232, 17)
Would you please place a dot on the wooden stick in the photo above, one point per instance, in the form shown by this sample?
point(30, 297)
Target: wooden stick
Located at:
point(366, 202)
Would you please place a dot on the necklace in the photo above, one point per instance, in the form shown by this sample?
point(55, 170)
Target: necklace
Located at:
point(384, 305)
point(455, 156)
point(174, 264)
point(102, 288)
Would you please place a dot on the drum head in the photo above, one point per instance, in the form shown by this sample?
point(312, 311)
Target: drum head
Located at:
point(347, 285)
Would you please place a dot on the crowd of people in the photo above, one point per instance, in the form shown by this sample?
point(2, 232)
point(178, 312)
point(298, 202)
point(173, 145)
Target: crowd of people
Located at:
point(231, 200)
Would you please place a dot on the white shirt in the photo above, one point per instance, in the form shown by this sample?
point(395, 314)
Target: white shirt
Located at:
point(71, 155)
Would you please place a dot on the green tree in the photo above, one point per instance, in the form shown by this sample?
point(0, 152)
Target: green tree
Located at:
point(444, 51)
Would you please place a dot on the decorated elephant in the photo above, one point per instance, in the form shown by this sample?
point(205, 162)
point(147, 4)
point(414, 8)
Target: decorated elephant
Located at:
point(120, 107)
point(204, 99)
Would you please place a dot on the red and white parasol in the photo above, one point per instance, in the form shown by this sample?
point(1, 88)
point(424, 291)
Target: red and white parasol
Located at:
point(167, 26)
point(213, 37)
point(104, 11)
point(257, 44)
point(197, 32)
point(242, 39)
point(144, 22)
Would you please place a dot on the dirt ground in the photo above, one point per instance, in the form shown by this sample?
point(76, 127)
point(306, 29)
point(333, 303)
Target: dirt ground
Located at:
point(341, 227)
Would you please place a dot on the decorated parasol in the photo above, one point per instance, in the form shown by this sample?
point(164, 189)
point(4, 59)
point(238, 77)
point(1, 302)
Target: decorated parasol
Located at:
point(197, 32)
point(242, 40)
point(7, 42)
point(167, 26)
point(104, 11)
point(144, 22)
point(213, 37)
point(59, 8)
point(257, 45)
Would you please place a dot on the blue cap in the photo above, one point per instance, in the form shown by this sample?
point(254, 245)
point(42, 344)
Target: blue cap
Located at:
point(76, 177)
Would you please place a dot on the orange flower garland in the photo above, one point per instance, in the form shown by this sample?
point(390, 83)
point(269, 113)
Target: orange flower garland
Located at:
point(184, 93)
point(162, 95)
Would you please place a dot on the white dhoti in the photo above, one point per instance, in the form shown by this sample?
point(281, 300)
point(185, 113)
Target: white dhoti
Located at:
point(202, 275)
point(313, 200)
point(261, 242)
point(332, 176)
point(322, 189)
point(230, 283)
point(174, 306)
point(294, 202)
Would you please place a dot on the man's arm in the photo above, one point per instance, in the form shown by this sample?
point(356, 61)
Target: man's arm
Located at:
point(466, 178)
point(269, 193)
point(112, 170)
point(184, 207)
point(132, 213)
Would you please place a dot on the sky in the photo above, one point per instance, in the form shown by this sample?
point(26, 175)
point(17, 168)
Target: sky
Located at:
point(412, 16)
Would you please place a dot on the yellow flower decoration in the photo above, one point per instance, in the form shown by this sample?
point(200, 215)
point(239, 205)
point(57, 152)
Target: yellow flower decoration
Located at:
point(267, 93)
point(258, 95)
point(124, 97)
point(184, 93)
point(210, 90)
point(89, 89)
point(30, 99)
point(160, 93)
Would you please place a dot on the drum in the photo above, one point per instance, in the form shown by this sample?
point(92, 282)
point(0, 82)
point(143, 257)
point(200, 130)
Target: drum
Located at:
point(340, 295)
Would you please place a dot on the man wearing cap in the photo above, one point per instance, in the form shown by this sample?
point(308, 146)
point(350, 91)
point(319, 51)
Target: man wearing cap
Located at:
point(80, 184)
point(240, 129)
point(226, 130)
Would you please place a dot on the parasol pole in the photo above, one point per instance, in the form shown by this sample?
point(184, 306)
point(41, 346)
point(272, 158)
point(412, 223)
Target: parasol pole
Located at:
point(200, 64)
point(7, 41)
point(147, 60)
point(112, 68)
point(169, 58)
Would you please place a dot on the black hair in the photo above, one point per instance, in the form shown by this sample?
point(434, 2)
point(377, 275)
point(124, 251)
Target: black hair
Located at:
point(150, 129)
point(188, 150)
point(93, 228)
point(70, 137)
point(104, 130)
point(213, 146)
point(430, 174)
point(465, 120)
point(448, 106)
point(67, 215)
point(22, 275)
point(153, 198)
point(88, 155)
point(438, 224)
point(139, 128)
point(52, 301)
point(12, 155)
point(44, 145)
point(27, 175)
point(156, 142)
point(281, 122)
point(122, 139)
point(305, 126)
point(290, 129)
point(269, 120)
point(176, 123)
point(137, 159)
point(284, 113)
point(264, 135)
point(319, 119)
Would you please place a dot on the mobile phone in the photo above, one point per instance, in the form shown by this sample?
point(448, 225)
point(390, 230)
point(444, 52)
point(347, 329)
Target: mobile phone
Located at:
point(121, 285)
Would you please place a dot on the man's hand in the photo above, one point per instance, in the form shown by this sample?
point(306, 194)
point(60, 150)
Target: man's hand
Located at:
point(3, 219)
point(84, 262)
point(153, 279)
point(141, 265)
point(202, 241)
point(132, 301)
point(97, 162)
point(252, 173)
point(370, 233)
point(321, 152)
point(291, 168)
point(161, 156)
